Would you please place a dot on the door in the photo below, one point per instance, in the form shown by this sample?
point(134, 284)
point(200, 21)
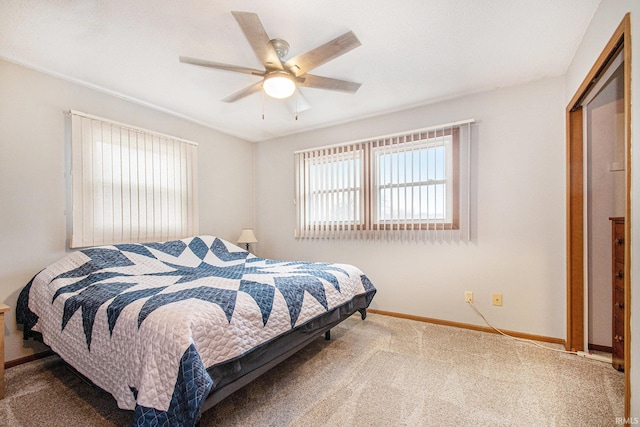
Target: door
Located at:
point(576, 187)
point(604, 197)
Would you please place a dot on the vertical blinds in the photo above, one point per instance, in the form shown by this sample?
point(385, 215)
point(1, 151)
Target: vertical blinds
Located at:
point(410, 186)
point(330, 191)
point(130, 184)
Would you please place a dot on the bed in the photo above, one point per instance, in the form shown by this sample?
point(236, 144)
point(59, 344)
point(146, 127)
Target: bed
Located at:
point(171, 328)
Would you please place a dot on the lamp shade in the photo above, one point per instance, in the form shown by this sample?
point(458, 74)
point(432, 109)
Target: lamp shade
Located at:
point(279, 84)
point(247, 236)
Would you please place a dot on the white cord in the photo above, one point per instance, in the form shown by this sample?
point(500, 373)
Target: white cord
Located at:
point(516, 338)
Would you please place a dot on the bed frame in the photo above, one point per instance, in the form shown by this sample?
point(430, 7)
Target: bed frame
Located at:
point(232, 375)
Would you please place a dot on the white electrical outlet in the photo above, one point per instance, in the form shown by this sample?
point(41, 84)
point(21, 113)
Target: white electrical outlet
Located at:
point(468, 296)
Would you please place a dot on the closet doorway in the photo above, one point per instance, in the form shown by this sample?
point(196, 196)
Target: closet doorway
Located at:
point(598, 186)
point(604, 131)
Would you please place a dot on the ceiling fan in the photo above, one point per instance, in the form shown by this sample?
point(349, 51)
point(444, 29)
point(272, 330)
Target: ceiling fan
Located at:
point(281, 79)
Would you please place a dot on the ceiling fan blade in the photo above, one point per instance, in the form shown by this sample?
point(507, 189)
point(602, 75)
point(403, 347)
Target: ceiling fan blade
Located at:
point(320, 55)
point(219, 66)
point(258, 39)
point(256, 87)
point(319, 82)
point(297, 103)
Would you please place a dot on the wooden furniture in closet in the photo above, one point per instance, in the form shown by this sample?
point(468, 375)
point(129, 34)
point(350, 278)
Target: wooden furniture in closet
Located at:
point(617, 266)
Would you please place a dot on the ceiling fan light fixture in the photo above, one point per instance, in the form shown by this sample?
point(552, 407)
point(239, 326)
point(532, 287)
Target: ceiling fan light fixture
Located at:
point(279, 85)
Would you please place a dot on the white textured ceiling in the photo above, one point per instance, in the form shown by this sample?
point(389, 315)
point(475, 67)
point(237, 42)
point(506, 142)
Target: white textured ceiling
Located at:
point(413, 52)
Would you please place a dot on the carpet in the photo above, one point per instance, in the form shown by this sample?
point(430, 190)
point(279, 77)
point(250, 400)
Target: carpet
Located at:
point(382, 371)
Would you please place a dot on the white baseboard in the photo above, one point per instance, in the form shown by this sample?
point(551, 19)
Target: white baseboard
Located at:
point(599, 357)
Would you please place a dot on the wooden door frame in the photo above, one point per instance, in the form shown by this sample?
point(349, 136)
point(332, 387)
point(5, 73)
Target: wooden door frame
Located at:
point(575, 200)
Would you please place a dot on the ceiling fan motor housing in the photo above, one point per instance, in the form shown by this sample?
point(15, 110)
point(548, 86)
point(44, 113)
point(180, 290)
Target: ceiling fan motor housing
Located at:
point(281, 47)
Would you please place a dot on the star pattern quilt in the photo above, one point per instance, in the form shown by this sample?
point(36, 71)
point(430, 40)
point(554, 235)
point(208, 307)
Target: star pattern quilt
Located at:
point(145, 321)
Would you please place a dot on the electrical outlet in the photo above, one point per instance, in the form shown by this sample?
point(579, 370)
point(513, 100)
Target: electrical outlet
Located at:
point(496, 299)
point(468, 296)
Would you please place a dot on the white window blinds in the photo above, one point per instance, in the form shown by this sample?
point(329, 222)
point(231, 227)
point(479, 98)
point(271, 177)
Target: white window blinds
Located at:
point(409, 186)
point(130, 184)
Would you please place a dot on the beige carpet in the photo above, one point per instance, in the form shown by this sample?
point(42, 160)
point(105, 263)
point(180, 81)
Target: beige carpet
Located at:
point(378, 372)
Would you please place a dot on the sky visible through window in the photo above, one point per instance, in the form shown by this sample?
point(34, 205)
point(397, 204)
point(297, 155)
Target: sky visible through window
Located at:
point(412, 184)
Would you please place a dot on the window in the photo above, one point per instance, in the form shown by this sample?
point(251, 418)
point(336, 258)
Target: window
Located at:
point(406, 185)
point(130, 184)
point(415, 182)
point(334, 188)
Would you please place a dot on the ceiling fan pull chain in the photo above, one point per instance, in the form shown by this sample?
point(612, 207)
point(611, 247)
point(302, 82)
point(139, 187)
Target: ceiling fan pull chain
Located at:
point(262, 105)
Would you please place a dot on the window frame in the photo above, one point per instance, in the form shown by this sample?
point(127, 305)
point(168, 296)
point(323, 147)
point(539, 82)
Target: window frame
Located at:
point(367, 220)
point(452, 181)
point(359, 220)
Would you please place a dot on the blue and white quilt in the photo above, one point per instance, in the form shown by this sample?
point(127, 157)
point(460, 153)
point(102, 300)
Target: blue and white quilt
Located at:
point(144, 321)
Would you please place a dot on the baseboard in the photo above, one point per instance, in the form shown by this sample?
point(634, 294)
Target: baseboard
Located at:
point(516, 334)
point(15, 362)
point(602, 348)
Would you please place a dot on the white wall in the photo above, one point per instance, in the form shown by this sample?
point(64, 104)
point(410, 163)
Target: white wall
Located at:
point(34, 150)
point(518, 214)
point(606, 19)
